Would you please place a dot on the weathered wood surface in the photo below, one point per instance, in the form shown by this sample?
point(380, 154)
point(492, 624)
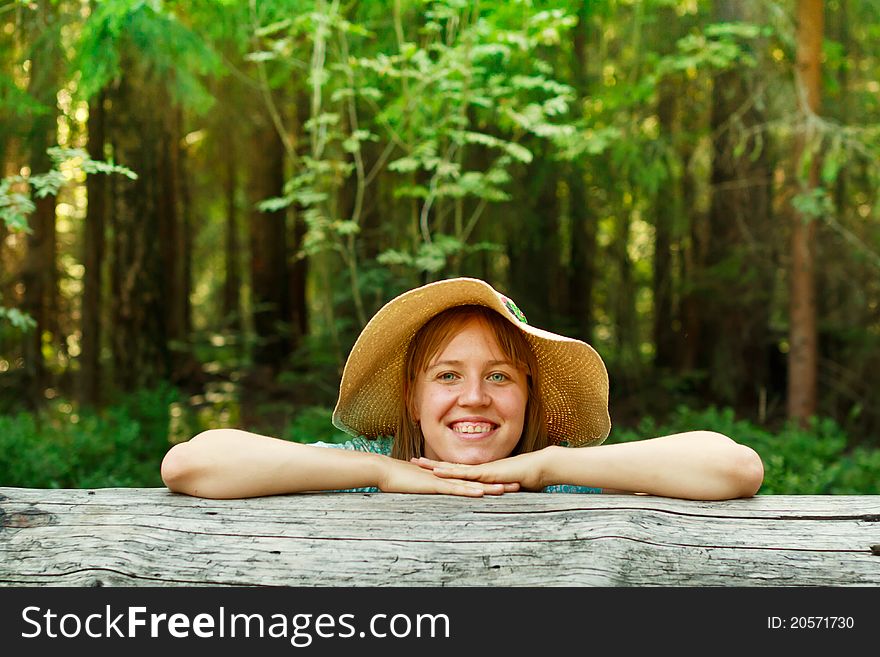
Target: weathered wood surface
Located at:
point(151, 537)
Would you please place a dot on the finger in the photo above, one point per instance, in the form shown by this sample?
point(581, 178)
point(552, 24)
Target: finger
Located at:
point(425, 464)
point(488, 488)
point(430, 463)
point(458, 471)
point(438, 464)
point(466, 489)
point(494, 489)
point(474, 476)
point(471, 486)
point(500, 488)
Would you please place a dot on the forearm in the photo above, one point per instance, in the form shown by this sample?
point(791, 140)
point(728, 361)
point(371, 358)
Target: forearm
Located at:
point(695, 465)
point(228, 463)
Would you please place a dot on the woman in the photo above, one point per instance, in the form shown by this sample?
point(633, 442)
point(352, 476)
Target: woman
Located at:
point(449, 390)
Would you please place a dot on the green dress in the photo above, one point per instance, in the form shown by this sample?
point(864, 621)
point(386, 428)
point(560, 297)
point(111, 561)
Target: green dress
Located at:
point(382, 445)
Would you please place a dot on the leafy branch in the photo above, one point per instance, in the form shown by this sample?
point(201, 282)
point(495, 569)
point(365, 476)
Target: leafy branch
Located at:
point(17, 195)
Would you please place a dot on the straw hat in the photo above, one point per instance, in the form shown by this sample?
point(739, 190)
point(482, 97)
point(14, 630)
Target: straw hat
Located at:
point(574, 384)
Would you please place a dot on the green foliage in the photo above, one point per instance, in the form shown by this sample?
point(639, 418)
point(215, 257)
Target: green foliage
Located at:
point(18, 319)
point(153, 33)
point(433, 256)
point(465, 86)
point(16, 191)
point(14, 205)
point(719, 46)
point(312, 424)
point(812, 461)
point(16, 202)
point(122, 446)
point(17, 105)
point(813, 203)
point(80, 158)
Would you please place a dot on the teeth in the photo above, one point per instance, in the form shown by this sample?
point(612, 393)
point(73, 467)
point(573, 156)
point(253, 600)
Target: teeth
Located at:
point(472, 428)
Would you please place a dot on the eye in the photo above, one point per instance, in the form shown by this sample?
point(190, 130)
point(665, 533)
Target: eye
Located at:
point(498, 377)
point(446, 376)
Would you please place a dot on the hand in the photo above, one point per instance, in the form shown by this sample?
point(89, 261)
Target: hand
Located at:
point(525, 471)
point(401, 477)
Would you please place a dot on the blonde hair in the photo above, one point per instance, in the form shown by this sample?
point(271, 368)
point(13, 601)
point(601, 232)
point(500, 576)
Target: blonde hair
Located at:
point(409, 442)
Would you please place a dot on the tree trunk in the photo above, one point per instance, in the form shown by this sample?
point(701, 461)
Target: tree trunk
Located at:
point(533, 245)
point(187, 228)
point(169, 226)
point(39, 271)
point(624, 305)
point(268, 242)
point(803, 351)
point(842, 304)
point(4, 232)
point(93, 259)
point(177, 251)
point(232, 282)
point(139, 133)
point(582, 274)
point(693, 266)
point(298, 263)
point(737, 283)
point(667, 206)
point(298, 270)
point(582, 271)
point(10, 251)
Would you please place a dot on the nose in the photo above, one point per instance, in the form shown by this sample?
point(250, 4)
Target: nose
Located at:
point(474, 393)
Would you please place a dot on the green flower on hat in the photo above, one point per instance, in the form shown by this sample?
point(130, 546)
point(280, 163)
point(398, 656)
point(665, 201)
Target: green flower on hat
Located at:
point(511, 306)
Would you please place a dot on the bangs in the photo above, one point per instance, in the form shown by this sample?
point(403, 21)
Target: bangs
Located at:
point(438, 332)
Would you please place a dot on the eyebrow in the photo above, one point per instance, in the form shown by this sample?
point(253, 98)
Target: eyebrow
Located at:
point(458, 363)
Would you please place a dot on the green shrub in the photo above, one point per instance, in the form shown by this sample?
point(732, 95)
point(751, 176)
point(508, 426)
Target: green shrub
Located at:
point(812, 461)
point(313, 424)
point(122, 446)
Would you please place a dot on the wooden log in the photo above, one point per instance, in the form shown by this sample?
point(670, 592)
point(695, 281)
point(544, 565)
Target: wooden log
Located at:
point(151, 537)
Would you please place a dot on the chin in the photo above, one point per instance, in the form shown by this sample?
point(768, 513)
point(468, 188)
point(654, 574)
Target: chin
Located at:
point(470, 451)
point(474, 460)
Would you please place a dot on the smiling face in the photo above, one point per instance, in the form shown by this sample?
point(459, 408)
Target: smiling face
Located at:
point(471, 398)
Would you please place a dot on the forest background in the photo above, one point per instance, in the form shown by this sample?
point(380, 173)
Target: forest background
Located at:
point(202, 203)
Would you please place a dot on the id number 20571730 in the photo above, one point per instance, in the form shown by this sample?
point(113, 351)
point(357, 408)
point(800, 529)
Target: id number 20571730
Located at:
point(810, 623)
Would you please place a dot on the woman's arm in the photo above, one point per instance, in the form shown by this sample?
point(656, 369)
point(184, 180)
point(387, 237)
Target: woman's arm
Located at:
point(229, 463)
point(699, 465)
